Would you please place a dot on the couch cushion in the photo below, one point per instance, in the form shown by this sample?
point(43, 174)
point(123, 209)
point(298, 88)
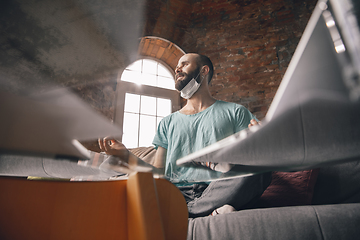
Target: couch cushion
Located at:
point(340, 221)
point(339, 183)
point(289, 189)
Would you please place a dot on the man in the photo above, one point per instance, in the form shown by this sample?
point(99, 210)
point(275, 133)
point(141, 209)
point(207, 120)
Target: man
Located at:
point(201, 122)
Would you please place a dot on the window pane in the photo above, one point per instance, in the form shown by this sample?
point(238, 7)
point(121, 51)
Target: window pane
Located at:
point(149, 72)
point(162, 71)
point(136, 66)
point(149, 66)
point(149, 79)
point(163, 107)
point(130, 130)
point(132, 103)
point(131, 76)
point(147, 130)
point(148, 105)
point(166, 82)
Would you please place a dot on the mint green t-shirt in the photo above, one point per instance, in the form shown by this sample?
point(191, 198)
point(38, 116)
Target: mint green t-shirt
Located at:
point(183, 134)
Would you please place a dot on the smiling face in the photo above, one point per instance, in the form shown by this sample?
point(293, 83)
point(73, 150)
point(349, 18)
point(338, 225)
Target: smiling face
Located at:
point(186, 70)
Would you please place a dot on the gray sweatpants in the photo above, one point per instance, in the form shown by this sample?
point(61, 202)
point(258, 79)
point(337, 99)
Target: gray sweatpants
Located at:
point(241, 192)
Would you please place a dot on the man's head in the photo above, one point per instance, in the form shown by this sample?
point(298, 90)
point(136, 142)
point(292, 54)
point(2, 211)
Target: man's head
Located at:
point(191, 66)
point(205, 61)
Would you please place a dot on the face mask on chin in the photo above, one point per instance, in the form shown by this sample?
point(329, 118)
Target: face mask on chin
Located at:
point(190, 88)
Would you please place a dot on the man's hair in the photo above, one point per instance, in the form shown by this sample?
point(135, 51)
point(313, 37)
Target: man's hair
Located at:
point(204, 60)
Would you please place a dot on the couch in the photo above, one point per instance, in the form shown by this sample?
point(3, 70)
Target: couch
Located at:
point(313, 204)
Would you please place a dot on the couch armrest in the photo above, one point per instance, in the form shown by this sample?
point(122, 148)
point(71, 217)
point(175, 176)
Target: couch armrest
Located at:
point(339, 221)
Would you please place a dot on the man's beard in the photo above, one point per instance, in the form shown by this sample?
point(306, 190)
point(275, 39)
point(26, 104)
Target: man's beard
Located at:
point(179, 85)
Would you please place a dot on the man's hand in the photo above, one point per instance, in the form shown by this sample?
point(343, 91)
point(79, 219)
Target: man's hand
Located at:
point(253, 122)
point(111, 146)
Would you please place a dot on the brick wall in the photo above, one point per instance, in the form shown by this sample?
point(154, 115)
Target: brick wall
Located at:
point(250, 42)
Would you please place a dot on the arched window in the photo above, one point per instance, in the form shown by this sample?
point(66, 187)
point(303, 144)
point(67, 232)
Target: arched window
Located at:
point(149, 72)
point(146, 94)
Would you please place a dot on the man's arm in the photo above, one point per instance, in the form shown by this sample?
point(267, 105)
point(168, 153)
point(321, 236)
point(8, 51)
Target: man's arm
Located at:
point(160, 159)
point(113, 147)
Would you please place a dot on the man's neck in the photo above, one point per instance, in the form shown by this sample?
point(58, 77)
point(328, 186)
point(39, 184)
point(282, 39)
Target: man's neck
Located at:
point(200, 101)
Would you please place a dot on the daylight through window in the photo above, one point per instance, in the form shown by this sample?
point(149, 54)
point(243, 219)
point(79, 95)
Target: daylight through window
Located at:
point(145, 106)
point(142, 115)
point(149, 72)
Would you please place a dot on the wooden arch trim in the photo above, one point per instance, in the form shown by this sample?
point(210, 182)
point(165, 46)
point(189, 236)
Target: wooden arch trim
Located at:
point(161, 49)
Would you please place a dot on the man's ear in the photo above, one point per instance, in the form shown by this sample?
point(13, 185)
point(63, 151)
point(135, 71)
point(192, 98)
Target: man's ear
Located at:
point(205, 70)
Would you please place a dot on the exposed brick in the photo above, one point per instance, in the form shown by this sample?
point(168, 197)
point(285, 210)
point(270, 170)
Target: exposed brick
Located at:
point(282, 13)
point(250, 42)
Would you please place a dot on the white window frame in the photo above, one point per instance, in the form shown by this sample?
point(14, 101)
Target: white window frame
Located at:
point(124, 87)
